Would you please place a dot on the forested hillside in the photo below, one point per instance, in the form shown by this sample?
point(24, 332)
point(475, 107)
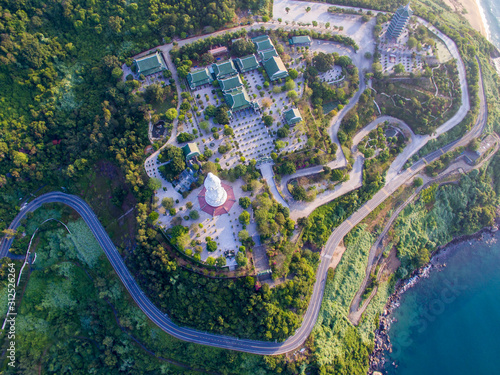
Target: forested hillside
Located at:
point(62, 104)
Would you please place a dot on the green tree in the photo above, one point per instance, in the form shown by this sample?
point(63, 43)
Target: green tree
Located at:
point(243, 235)
point(287, 168)
point(323, 62)
point(154, 93)
point(167, 203)
point(343, 61)
point(176, 164)
point(299, 193)
point(292, 94)
point(194, 215)
point(154, 183)
point(211, 246)
point(204, 126)
point(117, 73)
point(221, 114)
point(293, 74)
point(243, 47)
point(244, 202)
point(244, 218)
point(282, 133)
point(171, 114)
point(207, 59)
point(289, 85)
point(241, 259)
point(220, 261)
point(268, 120)
point(399, 68)
point(185, 137)
point(228, 130)
point(412, 42)
point(211, 111)
point(153, 216)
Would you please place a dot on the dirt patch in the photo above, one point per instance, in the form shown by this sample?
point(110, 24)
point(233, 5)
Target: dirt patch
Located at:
point(379, 217)
point(337, 255)
point(392, 263)
point(104, 188)
point(261, 261)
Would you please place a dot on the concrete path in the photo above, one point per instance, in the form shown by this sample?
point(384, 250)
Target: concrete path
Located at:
point(304, 209)
point(268, 174)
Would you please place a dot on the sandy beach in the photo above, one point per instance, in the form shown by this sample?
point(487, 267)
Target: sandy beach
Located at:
point(473, 14)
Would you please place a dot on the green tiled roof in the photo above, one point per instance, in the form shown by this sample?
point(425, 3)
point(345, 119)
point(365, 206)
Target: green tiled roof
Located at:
point(260, 38)
point(199, 78)
point(247, 63)
point(275, 68)
point(190, 150)
point(264, 55)
point(230, 84)
point(238, 100)
point(405, 11)
point(292, 116)
point(264, 45)
point(302, 39)
point(225, 69)
point(150, 64)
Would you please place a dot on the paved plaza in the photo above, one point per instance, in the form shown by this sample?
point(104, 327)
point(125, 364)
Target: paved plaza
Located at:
point(253, 140)
point(223, 229)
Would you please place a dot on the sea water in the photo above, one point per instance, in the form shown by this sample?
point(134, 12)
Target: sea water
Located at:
point(490, 14)
point(449, 323)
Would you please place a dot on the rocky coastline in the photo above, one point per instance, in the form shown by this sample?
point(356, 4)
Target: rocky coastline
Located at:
point(382, 342)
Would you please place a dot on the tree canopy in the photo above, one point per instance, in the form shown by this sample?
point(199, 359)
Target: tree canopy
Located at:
point(176, 163)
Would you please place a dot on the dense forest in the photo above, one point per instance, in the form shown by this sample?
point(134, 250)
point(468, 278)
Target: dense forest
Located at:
point(63, 103)
point(64, 107)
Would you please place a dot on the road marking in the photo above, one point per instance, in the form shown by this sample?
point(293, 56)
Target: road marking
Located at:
point(349, 222)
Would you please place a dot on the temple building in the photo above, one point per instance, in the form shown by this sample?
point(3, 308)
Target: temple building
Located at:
point(150, 64)
point(191, 150)
point(199, 78)
point(246, 64)
point(292, 116)
point(301, 40)
point(224, 70)
point(399, 21)
point(275, 68)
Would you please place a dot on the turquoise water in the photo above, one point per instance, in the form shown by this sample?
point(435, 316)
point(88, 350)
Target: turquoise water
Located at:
point(449, 323)
point(491, 10)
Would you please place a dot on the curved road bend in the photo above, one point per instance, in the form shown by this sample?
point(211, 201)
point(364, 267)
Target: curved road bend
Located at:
point(354, 312)
point(225, 342)
point(151, 311)
point(188, 334)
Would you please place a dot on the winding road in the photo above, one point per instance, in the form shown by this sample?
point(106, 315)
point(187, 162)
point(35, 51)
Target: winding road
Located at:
point(310, 317)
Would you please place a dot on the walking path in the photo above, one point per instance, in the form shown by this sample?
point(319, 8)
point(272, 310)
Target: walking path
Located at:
point(310, 317)
point(355, 313)
point(268, 175)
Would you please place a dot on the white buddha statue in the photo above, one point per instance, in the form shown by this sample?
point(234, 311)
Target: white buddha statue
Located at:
point(215, 195)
